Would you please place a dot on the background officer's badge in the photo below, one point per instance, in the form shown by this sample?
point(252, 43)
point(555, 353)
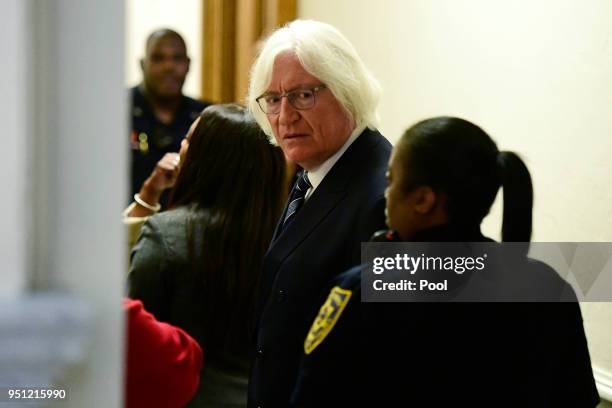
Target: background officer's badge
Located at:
point(327, 317)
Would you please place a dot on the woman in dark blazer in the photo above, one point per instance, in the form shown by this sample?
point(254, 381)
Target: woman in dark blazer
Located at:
point(197, 265)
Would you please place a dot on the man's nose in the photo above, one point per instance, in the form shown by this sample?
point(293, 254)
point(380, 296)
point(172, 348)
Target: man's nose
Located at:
point(288, 114)
point(168, 64)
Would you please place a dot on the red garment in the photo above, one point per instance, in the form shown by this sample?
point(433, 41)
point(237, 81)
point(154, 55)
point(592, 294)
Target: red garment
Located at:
point(163, 362)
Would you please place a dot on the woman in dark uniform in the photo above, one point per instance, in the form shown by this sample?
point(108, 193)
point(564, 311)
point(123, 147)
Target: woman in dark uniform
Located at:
point(444, 175)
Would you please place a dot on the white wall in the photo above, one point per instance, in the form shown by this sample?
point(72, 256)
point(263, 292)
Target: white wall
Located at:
point(13, 113)
point(81, 126)
point(63, 188)
point(537, 75)
point(144, 16)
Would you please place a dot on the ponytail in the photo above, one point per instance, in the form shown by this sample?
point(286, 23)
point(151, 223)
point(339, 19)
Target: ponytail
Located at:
point(459, 159)
point(518, 197)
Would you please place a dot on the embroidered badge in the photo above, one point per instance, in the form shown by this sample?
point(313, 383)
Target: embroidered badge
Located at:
point(327, 318)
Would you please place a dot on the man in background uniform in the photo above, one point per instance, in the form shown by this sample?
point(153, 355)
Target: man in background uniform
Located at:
point(161, 114)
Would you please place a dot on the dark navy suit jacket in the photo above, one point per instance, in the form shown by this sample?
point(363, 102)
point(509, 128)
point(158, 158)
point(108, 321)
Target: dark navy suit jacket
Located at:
point(323, 240)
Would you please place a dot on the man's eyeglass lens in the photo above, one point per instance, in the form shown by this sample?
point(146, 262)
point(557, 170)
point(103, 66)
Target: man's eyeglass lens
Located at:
point(300, 99)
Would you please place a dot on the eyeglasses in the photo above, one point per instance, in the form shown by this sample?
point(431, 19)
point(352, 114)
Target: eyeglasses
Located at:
point(300, 99)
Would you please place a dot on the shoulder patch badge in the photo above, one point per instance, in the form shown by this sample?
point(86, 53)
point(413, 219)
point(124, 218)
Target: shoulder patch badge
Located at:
point(326, 319)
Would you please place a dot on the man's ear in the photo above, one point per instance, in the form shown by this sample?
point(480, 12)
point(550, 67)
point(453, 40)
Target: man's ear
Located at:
point(188, 64)
point(425, 199)
point(142, 62)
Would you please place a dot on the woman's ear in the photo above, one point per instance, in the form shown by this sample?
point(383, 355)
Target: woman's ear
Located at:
point(425, 200)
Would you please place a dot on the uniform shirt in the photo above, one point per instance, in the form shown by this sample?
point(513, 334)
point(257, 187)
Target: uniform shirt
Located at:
point(150, 139)
point(331, 372)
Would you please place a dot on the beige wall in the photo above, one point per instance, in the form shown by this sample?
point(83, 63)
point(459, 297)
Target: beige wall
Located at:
point(144, 16)
point(537, 75)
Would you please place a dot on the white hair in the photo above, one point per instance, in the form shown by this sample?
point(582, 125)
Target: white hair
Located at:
point(326, 54)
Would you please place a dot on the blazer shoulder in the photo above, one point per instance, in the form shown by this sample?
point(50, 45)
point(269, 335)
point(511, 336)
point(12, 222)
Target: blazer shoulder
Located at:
point(170, 218)
point(350, 279)
point(373, 143)
point(171, 228)
point(369, 164)
point(374, 151)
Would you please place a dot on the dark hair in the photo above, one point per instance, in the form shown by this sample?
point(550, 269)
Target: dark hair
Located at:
point(459, 159)
point(232, 178)
point(161, 33)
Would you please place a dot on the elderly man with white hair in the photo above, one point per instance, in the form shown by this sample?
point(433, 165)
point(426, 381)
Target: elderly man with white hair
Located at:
point(311, 92)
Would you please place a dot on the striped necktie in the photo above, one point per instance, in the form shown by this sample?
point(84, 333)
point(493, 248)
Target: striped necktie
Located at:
point(296, 200)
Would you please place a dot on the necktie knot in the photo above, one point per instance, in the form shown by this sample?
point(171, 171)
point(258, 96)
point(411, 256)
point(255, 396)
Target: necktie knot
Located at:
point(302, 183)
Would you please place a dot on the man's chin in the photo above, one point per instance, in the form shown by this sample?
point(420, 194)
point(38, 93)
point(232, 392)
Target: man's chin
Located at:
point(307, 161)
point(168, 93)
point(306, 164)
point(296, 157)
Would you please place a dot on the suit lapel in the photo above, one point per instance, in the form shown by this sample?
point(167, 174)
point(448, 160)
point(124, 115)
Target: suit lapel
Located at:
point(306, 220)
point(279, 224)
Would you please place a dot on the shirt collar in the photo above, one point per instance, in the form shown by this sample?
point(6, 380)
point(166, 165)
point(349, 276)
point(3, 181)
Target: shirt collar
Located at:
point(317, 175)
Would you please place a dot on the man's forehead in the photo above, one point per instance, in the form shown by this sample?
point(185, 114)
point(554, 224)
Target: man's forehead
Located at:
point(288, 73)
point(166, 43)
